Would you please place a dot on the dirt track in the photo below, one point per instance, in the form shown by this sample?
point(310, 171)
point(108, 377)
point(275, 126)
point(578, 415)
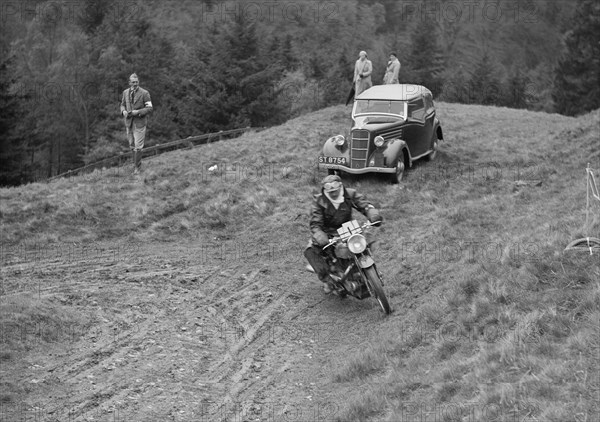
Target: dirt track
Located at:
point(169, 333)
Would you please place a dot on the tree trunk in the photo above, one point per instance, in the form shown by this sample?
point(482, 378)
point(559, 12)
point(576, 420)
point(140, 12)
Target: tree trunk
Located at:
point(58, 158)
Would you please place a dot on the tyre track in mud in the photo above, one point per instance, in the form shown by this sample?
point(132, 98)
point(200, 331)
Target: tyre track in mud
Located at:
point(87, 375)
point(247, 316)
point(260, 364)
point(172, 339)
point(280, 363)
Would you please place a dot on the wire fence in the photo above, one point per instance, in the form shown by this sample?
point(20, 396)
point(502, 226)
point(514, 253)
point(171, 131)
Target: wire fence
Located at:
point(590, 244)
point(189, 142)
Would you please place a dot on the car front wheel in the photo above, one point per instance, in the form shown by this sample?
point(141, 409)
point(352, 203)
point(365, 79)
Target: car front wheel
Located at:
point(400, 169)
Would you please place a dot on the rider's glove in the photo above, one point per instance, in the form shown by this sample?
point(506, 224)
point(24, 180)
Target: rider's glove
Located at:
point(374, 216)
point(321, 238)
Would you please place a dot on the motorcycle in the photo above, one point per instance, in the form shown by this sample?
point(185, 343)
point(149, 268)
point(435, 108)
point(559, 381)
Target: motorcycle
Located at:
point(351, 264)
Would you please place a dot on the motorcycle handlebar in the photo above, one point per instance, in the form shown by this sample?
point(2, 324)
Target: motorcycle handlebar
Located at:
point(332, 241)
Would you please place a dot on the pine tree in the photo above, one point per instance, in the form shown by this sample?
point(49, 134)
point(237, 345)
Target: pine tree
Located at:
point(577, 80)
point(484, 85)
point(14, 168)
point(425, 61)
point(94, 13)
point(516, 89)
point(456, 87)
point(289, 60)
point(338, 80)
point(241, 80)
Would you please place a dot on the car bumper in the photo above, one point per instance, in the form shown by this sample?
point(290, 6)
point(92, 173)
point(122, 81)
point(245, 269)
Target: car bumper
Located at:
point(357, 171)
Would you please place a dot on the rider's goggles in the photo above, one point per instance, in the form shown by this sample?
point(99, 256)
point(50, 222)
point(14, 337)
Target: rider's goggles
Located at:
point(332, 186)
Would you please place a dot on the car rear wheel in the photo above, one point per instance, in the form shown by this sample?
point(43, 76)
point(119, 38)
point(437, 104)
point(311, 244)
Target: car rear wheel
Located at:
point(434, 146)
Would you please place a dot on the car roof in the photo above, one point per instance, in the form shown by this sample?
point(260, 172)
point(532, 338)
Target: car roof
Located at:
point(397, 92)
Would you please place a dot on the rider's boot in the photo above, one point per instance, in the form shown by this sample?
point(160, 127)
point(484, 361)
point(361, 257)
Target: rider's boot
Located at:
point(350, 285)
point(318, 264)
point(328, 285)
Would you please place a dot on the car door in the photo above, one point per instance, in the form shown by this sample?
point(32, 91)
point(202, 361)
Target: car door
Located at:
point(429, 119)
point(417, 134)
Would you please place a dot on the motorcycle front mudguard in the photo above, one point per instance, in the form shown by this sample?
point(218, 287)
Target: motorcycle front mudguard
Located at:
point(364, 261)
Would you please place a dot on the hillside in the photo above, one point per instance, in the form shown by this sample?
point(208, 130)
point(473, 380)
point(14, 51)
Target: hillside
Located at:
point(182, 295)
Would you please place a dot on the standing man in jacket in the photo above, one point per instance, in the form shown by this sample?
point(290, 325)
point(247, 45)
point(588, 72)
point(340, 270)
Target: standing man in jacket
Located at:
point(392, 69)
point(136, 105)
point(362, 73)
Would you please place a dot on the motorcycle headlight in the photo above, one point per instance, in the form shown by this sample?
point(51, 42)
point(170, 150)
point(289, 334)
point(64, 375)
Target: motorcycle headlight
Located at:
point(357, 243)
point(379, 141)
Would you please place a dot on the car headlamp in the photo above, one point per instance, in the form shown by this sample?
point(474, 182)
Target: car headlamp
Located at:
point(379, 141)
point(357, 243)
point(339, 140)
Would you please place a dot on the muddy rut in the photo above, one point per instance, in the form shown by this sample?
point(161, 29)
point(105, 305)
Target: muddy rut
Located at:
point(164, 336)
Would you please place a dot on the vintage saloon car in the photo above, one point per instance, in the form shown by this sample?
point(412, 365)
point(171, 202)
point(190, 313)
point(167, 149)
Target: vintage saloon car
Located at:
point(393, 125)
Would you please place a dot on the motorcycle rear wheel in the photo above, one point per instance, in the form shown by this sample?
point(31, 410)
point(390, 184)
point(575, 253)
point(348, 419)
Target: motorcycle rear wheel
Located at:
point(376, 286)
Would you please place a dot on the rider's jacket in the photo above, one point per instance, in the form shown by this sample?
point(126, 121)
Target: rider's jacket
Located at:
point(325, 218)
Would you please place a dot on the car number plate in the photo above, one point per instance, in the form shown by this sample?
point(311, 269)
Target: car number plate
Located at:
point(332, 160)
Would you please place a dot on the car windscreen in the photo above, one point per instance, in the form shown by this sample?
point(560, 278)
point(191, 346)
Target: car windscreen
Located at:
point(379, 106)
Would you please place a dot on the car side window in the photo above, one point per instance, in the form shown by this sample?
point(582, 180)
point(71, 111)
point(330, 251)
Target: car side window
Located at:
point(428, 104)
point(416, 109)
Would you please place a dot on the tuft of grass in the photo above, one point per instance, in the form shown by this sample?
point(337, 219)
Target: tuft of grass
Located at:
point(363, 407)
point(469, 287)
point(447, 390)
point(446, 349)
point(361, 365)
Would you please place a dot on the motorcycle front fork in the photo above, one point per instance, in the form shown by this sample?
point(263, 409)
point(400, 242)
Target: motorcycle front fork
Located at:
point(346, 273)
point(362, 270)
point(343, 280)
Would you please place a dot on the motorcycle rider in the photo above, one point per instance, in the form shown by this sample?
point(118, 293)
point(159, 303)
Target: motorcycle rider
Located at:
point(330, 209)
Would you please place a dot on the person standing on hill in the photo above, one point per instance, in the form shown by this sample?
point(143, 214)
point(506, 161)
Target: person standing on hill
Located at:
point(392, 70)
point(136, 105)
point(362, 74)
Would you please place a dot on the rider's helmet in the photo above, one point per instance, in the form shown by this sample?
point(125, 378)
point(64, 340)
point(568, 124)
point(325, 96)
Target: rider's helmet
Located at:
point(331, 183)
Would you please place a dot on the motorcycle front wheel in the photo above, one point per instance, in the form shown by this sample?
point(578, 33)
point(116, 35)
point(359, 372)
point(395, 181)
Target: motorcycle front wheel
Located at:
point(376, 288)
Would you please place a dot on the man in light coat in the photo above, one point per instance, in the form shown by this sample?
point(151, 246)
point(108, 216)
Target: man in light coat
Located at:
point(136, 105)
point(362, 74)
point(392, 69)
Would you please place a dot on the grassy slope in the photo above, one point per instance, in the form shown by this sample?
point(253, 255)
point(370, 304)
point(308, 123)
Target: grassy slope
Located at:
point(178, 195)
point(508, 328)
point(491, 316)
